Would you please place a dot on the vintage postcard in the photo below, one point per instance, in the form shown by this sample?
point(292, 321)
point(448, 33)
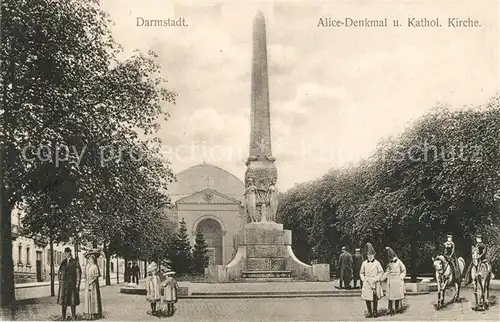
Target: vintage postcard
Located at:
point(250, 160)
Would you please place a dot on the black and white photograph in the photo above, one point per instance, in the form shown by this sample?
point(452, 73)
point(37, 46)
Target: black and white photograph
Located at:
point(249, 160)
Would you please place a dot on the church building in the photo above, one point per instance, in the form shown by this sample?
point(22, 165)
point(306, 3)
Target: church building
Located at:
point(210, 200)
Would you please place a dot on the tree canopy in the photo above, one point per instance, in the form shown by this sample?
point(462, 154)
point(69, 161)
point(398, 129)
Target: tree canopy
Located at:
point(439, 176)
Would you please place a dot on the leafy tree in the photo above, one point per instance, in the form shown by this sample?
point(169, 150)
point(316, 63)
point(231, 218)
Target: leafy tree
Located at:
point(200, 258)
point(180, 255)
point(492, 241)
point(63, 84)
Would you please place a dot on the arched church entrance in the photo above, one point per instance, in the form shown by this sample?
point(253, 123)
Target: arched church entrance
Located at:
point(212, 233)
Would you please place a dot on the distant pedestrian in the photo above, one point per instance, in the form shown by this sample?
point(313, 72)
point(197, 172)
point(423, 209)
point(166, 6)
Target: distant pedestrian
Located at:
point(371, 273)
point(357, 261)
point(70, 277)
point(135, 274)
point(345, 262)
point(92, 305)
point(394, 274)
point(153, 287)
point(169, 292)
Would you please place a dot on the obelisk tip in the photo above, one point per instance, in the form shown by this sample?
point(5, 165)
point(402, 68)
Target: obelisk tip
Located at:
point(259, 15)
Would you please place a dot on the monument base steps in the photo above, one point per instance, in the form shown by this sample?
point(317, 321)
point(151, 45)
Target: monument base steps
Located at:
point(266, 274)
point(264, 279)
point(264, 254)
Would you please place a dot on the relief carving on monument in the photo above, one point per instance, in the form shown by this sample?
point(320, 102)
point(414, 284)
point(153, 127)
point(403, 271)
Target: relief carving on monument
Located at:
point(260, 196)
point(251, 201)
point(272, 199)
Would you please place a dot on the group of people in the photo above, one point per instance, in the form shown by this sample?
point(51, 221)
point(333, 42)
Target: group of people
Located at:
point(350, 266)
point(450, 255)
point(370, 274)
point(70, 277)
point(132, 273)
point(161, 288)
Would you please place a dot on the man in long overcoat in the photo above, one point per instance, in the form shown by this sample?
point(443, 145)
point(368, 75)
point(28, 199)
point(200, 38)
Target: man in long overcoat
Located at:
point(70, 274)
point(135, 273)
point(371, 273)
point(345, 262)
point(357, 261)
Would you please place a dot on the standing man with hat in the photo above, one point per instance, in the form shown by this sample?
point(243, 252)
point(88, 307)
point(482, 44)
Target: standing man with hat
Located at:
point(70, 274)
point(394, 274)
point(357, 261)
point(371, 273)
point(345, 262)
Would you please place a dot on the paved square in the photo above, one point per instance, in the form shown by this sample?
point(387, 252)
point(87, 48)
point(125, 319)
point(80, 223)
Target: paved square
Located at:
point(123, 307)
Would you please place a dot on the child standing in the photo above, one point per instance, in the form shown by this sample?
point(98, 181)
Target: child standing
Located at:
point(170, 292)
point(153, 286)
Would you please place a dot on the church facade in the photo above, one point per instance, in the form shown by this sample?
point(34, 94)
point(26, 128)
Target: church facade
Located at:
point(209, 199)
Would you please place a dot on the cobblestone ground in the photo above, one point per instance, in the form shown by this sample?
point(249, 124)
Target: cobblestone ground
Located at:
point(122, 307)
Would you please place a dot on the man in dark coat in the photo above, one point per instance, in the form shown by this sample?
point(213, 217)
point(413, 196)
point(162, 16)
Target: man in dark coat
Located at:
point(345, 263)
point(357, 261)
point(70, 274)
point(135, 274)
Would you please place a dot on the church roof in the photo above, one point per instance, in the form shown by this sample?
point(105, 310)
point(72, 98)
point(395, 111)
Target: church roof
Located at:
point(203, 176)
point(208, 196)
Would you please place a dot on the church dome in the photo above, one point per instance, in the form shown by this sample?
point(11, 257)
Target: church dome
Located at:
point(203, 176)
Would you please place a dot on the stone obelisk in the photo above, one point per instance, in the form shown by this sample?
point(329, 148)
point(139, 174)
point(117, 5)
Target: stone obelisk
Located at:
point(264, 248)
point(260, 131)
point(261, 172)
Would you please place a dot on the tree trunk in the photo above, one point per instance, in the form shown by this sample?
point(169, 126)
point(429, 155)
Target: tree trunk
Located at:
point(52, 277)
point(7, 290)
point(76, 250)
point(107, 257)
point(413, 258)
point(117, 274)
point(145, 268)
point(108, 269)
point(126, 270)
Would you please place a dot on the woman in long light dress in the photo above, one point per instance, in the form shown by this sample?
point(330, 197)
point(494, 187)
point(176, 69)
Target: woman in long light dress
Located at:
point(92, 304)
point(170, 289)
point(153, 287)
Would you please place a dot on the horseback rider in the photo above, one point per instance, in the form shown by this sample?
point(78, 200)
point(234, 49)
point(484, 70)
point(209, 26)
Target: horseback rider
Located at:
point(481, 248)
point(449, 254)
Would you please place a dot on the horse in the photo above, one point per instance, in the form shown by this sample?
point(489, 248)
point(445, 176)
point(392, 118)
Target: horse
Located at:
point(481, 276)
point(445, 277)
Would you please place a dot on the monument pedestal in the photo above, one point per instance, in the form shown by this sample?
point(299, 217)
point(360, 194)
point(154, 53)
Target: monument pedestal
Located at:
point(265, 254)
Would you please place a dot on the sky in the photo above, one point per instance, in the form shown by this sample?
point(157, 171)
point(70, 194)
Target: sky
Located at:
point(334, 92)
